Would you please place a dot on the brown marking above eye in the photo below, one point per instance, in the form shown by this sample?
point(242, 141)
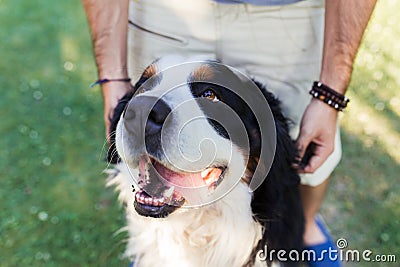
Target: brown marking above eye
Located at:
point(149, 78)
point(210, 94)
point(203, 73)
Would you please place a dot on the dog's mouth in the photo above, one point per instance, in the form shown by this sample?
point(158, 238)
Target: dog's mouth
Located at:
point(163, 190)
point(156, 207)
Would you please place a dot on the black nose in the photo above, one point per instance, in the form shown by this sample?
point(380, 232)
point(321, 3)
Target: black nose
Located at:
point(145, 115)
point(156, 117)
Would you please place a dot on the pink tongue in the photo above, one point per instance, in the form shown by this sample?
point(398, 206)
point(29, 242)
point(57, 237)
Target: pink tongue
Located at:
point(188, 179)
point(184, 179)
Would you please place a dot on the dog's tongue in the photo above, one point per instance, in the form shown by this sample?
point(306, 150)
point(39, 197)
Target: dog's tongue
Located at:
point(181, 179)
point(186, 179)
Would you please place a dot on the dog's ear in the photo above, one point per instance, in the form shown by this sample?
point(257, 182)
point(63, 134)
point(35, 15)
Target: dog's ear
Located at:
point(276, 203)
point(112, 154)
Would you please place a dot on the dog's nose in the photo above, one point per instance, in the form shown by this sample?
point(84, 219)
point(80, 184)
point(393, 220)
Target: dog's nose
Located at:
point(146, 112)
point(157, 116)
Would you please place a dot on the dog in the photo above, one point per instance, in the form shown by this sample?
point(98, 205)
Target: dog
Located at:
point(188, 138)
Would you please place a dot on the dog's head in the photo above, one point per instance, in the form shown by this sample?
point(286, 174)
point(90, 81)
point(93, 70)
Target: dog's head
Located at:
point(192, 131)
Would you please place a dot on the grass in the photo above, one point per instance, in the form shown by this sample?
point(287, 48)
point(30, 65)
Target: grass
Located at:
point(363, 203)
point(55, 209)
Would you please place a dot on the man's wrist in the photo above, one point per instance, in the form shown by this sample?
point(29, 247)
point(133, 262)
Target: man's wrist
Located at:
point(329, 96)
point(115, 73)
point(106, 80)
point(116, 86)
point(336, 77)
point(324, 108)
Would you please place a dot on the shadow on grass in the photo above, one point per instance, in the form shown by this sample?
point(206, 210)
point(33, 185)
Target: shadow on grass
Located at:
point(363, 204)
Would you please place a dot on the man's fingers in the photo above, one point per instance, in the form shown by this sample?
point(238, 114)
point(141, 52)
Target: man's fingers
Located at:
point(313, 164)
point(303, 141)
point(302, 144)
point(318, 158)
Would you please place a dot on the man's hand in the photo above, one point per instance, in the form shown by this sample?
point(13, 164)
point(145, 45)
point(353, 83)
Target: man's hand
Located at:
point(318, 126)
point(112, 93)
point(345, 22)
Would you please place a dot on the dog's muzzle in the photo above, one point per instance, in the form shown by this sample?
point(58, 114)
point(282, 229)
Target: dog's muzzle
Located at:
point(163, 187)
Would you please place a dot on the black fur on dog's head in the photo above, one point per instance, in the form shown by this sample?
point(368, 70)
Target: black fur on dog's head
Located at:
point(276, 203)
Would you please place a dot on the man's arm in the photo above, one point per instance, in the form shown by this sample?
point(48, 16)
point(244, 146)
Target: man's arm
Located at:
point(108, 22)
point(345, 23)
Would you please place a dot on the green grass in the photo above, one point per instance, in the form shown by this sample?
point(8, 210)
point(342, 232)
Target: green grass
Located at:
point(363, 202)
point(55, 209)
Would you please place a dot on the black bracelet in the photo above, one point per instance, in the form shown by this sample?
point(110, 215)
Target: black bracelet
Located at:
point(329, 96)
point(102, 81)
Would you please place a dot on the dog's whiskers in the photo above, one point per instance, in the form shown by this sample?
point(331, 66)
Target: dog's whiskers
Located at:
point(106, 145)
point(113, 152)
point(104, 148)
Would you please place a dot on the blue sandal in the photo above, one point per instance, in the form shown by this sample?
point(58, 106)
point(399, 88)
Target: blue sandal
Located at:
point(325, 255)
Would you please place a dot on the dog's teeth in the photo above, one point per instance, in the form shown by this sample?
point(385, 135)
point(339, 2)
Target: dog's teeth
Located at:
point(143, 198)
point(205, 173)
point(169, 192)
point(158, 202)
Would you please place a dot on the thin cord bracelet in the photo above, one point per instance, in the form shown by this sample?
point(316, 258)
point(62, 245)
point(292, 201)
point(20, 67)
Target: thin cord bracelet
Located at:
point(329, 96)
point(102, 81)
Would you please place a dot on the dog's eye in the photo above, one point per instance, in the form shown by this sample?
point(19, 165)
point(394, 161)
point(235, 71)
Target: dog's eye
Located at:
point(210, 94)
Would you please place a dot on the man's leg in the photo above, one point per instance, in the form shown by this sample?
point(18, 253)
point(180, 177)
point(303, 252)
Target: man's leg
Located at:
point(312, 197)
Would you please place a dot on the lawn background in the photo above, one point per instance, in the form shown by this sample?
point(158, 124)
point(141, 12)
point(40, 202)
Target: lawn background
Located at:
point(55, 210)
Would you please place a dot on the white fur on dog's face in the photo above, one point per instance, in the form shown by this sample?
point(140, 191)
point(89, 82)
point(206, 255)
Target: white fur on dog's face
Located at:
point(187, 140)
point(205, 164)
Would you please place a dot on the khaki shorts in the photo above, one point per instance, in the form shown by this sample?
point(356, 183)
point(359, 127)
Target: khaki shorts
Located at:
point(280, 46)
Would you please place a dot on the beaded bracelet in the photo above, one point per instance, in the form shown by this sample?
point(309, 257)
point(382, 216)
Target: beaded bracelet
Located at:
point(101, 81)
point(329, 96)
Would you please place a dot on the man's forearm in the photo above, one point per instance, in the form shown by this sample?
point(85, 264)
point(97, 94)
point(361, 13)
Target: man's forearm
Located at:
point(345, 22)
point(108, 21)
